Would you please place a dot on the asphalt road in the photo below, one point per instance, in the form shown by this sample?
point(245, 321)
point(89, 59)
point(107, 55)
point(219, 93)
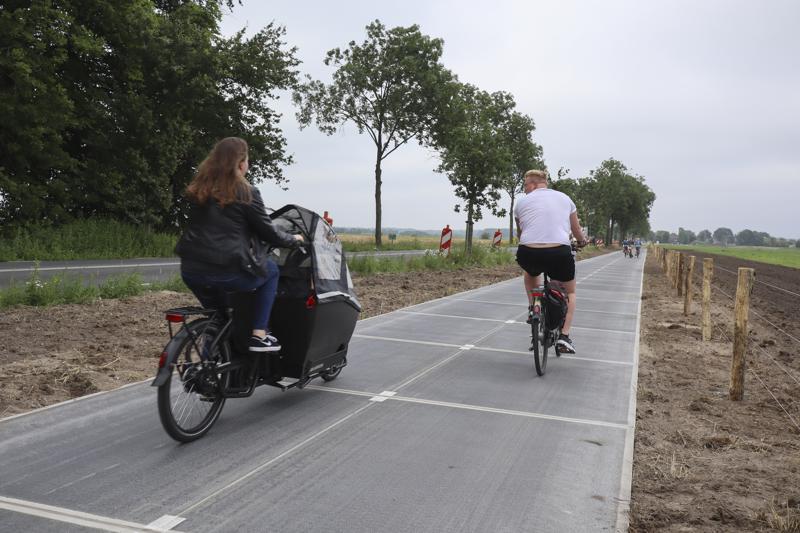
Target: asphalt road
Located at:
point(150, 269)
point(438, 424)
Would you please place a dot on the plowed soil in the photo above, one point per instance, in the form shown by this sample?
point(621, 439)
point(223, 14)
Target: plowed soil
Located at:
point(701, 461)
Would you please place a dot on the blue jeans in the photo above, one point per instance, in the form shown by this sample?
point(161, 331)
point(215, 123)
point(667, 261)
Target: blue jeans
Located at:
point(209, 290)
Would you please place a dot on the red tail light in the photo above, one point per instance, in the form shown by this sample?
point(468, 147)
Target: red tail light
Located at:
point(174, 317)
point(537, 294)
point(162, 360)
point(311, 302)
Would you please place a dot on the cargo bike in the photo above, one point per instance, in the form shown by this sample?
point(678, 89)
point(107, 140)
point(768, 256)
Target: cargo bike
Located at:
point(207, 360)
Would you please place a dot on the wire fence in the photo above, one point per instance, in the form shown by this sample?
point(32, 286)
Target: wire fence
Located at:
point(760, 282)
point(765, 359)
point(724, 335)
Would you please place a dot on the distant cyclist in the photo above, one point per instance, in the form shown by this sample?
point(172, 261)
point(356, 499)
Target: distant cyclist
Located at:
point(638, 245)
point(625, 247)
point(544, 220)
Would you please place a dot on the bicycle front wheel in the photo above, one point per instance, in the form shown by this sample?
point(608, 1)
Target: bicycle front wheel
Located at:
point(539, 346)
point(191, 400)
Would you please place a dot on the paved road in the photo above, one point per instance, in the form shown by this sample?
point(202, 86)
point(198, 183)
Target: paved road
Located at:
point(438, 424)
point(150, 269)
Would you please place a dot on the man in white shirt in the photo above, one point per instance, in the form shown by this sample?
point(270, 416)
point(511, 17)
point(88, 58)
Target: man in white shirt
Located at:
point(544, 220)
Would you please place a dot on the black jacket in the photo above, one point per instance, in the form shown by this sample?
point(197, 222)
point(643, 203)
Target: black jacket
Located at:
point(228, 239)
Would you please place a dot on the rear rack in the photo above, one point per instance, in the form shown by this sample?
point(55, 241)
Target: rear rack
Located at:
point(177, 315)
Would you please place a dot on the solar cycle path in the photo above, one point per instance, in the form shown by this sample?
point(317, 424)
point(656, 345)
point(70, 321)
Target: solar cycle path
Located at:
point(439, 423)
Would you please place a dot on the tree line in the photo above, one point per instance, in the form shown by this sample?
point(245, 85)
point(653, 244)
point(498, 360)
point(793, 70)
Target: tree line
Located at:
point(724, 237)
point(108, 106)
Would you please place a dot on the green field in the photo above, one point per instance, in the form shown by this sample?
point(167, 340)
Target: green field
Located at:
point(789, 257)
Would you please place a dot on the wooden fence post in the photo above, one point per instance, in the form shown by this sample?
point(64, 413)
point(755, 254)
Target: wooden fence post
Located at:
point(679, 273)
point(687, 287)
point(741, 310)
point(708, 273)
point(672, 258)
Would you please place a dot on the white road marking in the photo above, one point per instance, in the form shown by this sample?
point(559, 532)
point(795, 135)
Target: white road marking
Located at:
point(470, 407)
point(272, 461)
point(466, 347)
point(166, 522)
point(507, 321)
point(91, 267)
point(78, 518)
point(626, 477)
point(489, 349)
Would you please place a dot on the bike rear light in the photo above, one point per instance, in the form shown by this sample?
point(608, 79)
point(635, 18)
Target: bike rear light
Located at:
point(537, 294)
point(174, 317)
point(162, 360)
point(311, 302)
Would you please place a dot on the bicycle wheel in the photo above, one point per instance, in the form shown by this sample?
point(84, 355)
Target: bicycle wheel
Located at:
point(538, 346)
point(191, 399)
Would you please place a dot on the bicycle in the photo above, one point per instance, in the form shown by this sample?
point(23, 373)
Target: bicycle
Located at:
point(207, 362)
point(545, 327)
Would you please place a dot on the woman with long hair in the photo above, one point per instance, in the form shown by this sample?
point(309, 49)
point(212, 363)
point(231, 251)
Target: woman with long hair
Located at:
point(221, 248)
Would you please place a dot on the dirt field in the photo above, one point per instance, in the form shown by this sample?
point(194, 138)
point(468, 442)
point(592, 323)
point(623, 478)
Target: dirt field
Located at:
point(701, 461)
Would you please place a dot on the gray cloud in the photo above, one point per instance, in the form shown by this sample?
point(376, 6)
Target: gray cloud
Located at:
point(701, 98)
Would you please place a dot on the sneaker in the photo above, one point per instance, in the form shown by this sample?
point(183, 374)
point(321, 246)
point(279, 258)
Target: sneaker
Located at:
point(530, 318)
point(564, 344)
point(265, 344)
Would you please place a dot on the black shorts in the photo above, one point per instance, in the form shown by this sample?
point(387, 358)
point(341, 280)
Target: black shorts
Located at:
point(557, 262)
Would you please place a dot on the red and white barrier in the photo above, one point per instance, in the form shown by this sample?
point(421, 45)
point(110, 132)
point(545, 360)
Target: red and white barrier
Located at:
point(498, 236)
point(446, 240)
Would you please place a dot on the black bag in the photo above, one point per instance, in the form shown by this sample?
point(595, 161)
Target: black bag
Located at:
point(555, 301)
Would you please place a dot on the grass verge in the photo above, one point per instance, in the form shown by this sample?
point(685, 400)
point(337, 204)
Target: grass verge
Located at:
point(482, 256)
point(788, 257)
point(74, 290)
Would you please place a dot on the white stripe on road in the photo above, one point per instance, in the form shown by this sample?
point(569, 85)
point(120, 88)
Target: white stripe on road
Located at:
point(626, 477)
point(506, 321)
point(78, 518)
point(470, 407)
point(90, 267)
point(488, 349)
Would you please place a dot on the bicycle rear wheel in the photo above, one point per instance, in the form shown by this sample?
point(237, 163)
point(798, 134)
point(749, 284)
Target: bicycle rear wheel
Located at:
point(539, 346)
point(191, 400)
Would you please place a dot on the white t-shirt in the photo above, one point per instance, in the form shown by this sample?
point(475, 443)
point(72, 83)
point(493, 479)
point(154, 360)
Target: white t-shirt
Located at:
point(543, 215)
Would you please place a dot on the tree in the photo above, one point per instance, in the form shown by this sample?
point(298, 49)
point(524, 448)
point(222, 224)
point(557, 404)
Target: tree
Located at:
point(100, 121)
point(391, 86)
point(621, 200)
point(748, 237)
point(723, 236)
point(525, 155)
point(704, 236)
point(686, 236)
point(474, 154)
point(662, 236)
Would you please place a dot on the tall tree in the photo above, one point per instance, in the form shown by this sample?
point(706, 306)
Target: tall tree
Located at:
point(686, 236)
point(390, 86)
point(525, 155)
point(704, 236)
point(723, 236)
point(623, 201)
point(475, 155)
point(102, 122)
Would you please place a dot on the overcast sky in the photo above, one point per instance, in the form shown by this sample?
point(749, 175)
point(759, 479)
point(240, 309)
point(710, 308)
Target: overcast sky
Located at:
point(701, 98)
